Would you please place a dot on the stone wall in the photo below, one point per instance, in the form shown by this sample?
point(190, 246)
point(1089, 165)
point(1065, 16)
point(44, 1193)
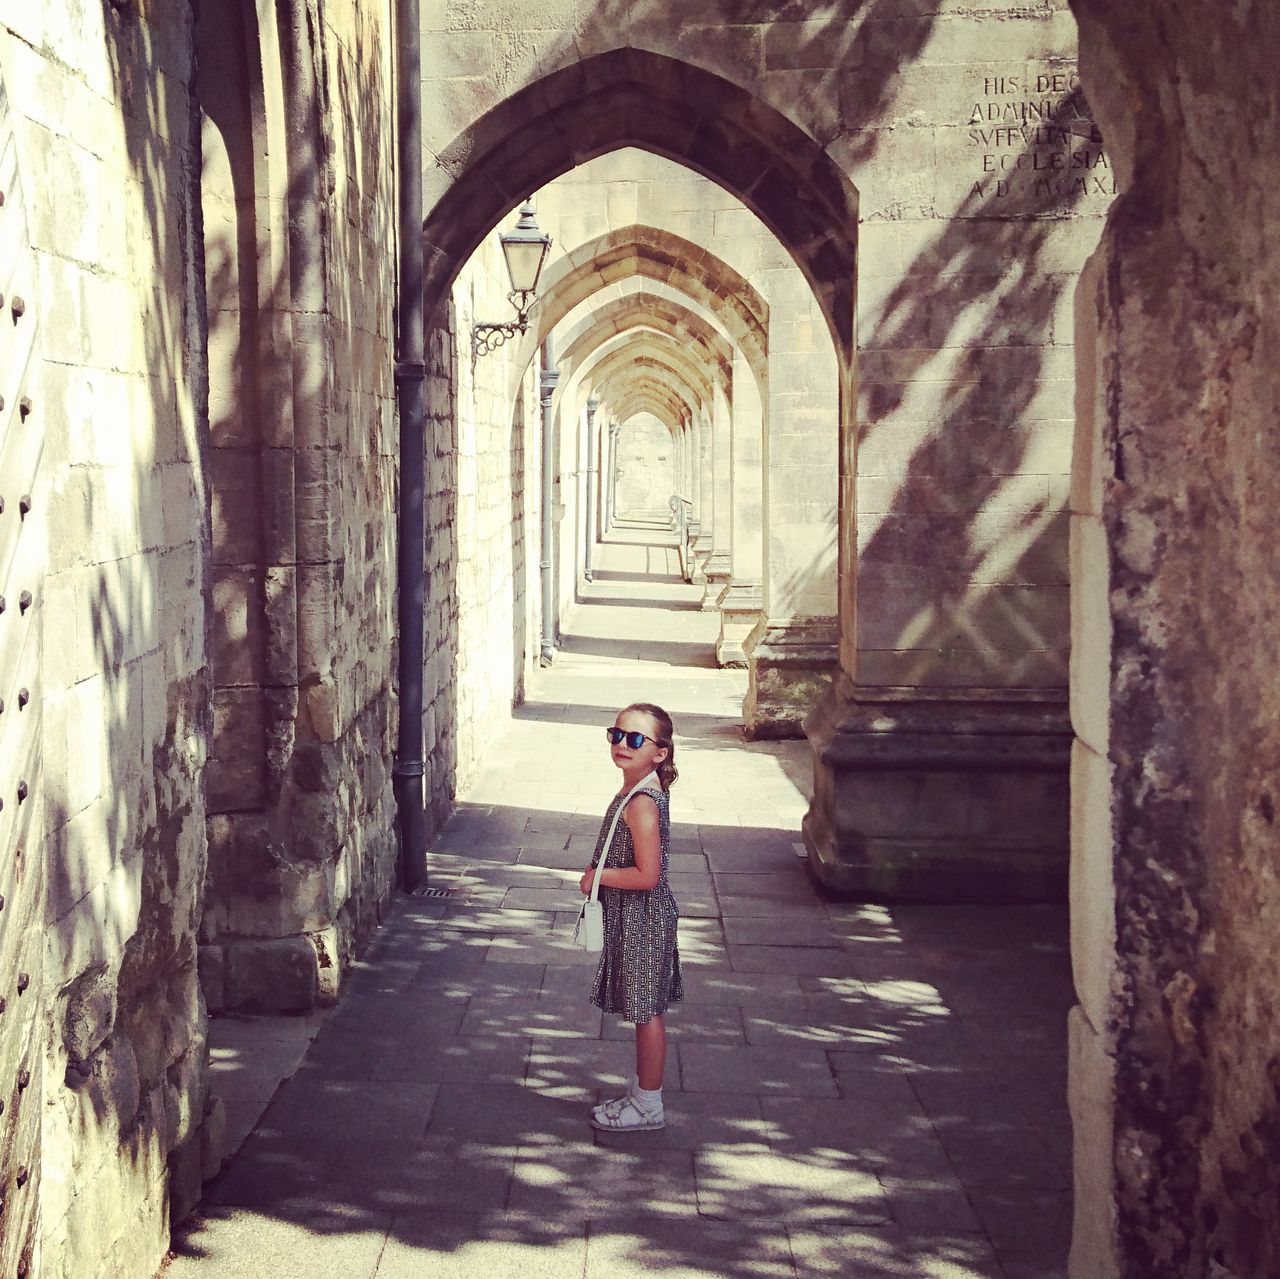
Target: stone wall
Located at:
point(496, 592)
point(1177, 1049)
point(298, 194)
point(646, 467)
point(105, 143)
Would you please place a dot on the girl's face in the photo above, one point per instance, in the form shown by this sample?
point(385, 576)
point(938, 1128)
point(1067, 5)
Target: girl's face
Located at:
point(650, 754)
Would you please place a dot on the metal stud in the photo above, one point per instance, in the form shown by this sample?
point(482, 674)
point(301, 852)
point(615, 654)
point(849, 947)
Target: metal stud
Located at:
point(2, 604)
point(1, 901)
point(3, 1004)
point(1, 411)
point(23, 1176)
point(23, 698)
point(22, 791)
point(24, 1078)
point(19, 308)
point(24, 980)
point(1, 1107)
point(24, 407)
point(24, 601)
point(24, 505)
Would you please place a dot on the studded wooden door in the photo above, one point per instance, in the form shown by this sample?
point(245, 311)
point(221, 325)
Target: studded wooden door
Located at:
point(22, 560)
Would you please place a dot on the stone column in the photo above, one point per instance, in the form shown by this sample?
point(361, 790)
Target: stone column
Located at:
point(611, 478)
point(792, 652)
point(742, 600)
point(706, 493)
point(696, 575)
point(719, 560)
point(593, 405)
point(941, 754)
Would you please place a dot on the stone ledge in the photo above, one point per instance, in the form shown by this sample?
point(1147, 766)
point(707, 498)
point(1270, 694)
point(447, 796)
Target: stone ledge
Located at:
point(953, 795)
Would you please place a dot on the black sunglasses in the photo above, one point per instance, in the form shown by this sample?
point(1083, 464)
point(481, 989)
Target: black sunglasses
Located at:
point(633, 739)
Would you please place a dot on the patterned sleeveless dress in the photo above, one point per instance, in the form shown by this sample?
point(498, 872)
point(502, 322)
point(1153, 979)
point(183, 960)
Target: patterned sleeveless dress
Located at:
point(639, 973)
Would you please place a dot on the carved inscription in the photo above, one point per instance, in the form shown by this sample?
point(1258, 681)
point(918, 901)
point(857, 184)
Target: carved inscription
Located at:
point(1033, 141)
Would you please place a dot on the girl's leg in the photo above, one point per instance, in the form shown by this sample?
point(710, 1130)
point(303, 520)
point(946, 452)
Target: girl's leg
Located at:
point(651, 1053)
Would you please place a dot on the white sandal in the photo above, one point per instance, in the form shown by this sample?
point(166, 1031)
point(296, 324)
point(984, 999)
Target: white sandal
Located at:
point(623, 1114)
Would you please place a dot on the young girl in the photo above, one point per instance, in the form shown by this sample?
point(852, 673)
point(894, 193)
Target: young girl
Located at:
point(639, 972)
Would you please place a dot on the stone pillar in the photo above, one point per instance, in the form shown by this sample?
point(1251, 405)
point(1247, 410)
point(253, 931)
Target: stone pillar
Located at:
point(719, 560)
point(706, 494)
point(792, 652)
point(941, 755)
point(742, 600)
point(693, 432)
point(593, 405)
point(611, 478)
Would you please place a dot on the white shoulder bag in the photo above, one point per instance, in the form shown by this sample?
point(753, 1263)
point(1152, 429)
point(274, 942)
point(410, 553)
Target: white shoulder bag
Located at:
point(588, 932)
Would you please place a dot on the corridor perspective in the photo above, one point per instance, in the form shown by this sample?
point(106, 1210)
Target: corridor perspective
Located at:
point(852, 1090)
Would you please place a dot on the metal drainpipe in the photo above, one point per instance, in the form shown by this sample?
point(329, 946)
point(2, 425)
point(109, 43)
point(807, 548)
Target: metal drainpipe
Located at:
point(592, 405)
point(410, 370)
point(547, 387)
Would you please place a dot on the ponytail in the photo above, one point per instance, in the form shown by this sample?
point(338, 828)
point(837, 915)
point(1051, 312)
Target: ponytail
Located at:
point(666, 738)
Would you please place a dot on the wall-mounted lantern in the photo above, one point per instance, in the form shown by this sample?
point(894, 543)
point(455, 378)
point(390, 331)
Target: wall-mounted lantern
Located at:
point(525, 250)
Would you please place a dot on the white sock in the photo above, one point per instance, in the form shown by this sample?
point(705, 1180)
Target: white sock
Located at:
point(649, 1099)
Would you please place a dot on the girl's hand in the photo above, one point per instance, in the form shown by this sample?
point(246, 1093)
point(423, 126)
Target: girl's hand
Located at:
point(584, 884)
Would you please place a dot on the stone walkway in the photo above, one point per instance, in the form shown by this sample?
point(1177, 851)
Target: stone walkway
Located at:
point(852, 1090)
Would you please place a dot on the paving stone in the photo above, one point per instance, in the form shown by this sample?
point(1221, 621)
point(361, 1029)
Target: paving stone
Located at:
point(580, 1068)
point(338, 1243)
point(745, 990)
point(1022, 1221)
point(776, 886)
point(890, 1252)
point(575, 1183)
point(789, 959)
point(688, 1250)
point(758, 1184)
point(462, 1174)
point(474, 1245)
point(891, 1134)
point(572, 858)
point(735, 907)
point(456, 1059)
point(929, 1199)
point(339, 1111)
point(689, 1022)
point(518, 1016)
point(272, 1172)
point(805, 1027)
point(771, 931)
point(499, 1113)
point(527, 950)
point(786, 1072)
point(697, 1121)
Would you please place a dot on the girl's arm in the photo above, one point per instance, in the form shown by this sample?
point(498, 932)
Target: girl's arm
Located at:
point(641, 816)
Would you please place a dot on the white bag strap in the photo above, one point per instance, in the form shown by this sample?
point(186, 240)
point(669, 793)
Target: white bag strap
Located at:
point(642, 784)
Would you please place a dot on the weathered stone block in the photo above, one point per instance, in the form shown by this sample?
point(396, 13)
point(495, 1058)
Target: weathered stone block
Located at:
point(271, 975)
point(939, 797)
point(789, 666)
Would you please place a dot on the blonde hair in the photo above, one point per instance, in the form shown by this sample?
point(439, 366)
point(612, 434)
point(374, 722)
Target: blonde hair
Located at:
point(667, 771)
